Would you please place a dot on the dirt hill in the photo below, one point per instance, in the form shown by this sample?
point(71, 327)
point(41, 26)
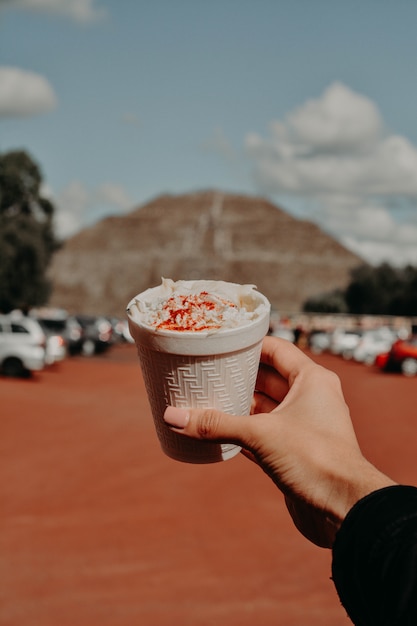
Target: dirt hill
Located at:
point(208, 234)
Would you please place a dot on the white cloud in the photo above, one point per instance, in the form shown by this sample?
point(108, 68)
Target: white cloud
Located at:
point(71, 205)
point(339, 121)
point(369, 229)
point(114, 195)
point(77, 206)
point(24, 93)
point(354, 216)
point(390, 251)
point(82, 11)
point(336, 153)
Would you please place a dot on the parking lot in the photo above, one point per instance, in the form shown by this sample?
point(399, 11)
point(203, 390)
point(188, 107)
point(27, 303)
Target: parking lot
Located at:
point(99, 528)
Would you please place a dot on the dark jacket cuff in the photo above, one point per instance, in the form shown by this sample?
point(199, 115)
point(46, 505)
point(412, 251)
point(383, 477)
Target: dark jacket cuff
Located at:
point(374, 564)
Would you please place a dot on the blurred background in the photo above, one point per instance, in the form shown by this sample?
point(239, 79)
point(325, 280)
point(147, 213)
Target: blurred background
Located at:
point(269, 142)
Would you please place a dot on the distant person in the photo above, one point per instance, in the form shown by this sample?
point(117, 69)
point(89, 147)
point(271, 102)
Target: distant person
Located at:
point(302, 437)
point(298, 332)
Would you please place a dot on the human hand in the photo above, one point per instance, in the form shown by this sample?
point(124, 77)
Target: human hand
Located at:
point(301, 434)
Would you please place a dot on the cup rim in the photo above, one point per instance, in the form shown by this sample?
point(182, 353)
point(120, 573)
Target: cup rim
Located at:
point(163, 332)
point(199, 342)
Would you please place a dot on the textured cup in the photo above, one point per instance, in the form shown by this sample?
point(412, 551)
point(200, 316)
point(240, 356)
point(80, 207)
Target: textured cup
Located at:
point(199, 369)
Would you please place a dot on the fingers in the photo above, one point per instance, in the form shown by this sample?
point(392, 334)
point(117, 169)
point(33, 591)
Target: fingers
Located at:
point(283, 356)
point(209, 424)
point(270, 383)
point(262, 403)
point(281, 363)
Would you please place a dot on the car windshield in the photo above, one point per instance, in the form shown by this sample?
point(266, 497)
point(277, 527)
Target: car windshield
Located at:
point(55, 325)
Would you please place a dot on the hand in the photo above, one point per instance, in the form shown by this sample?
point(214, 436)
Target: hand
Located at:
point(301, 434)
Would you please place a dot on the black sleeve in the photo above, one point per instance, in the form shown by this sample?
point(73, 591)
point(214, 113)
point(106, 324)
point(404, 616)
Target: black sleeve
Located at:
point(374, 564)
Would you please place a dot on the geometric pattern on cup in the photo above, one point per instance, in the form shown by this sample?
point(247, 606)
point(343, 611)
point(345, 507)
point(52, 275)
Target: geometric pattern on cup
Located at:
point(225, 382)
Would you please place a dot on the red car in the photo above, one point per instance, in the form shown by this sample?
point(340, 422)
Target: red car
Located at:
point(401, 358)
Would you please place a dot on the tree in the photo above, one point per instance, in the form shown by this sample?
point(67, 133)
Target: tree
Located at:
point(371, 289)
point(404, 301)
point(381, 290)
point(27, 240)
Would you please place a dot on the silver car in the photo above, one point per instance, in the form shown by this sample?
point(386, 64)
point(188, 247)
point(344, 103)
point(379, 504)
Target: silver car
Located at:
point(22, 345)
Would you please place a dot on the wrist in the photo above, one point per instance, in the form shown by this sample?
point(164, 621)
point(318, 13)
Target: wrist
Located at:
point(362, 479)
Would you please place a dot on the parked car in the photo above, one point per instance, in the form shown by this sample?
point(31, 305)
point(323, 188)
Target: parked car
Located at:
point(319, 341)
point(344, 342)
point(284, 332)
point(121, 330)
point(66, 330)
point(97, 334)
point(402, 357)
point(22, 345)
point(56, 348)
point(372, 343)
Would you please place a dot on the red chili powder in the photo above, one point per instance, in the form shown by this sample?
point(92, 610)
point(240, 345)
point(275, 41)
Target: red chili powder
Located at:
point(192, 312)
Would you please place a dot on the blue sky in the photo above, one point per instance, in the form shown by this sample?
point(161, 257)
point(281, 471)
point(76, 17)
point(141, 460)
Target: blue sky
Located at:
point(311, 103)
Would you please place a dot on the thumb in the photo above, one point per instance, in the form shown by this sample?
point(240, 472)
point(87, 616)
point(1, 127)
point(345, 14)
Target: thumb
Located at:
point(209, 424)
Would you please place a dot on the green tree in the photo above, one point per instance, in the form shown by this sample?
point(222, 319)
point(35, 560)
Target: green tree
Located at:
point(372, 289)
point(383, 290)
point(404, 301)
point(380, 290)
point(27, 240)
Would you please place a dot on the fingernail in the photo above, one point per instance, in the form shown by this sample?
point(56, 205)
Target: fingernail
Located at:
point(176, 417)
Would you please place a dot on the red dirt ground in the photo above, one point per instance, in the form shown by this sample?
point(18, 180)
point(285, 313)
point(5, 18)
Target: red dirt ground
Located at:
point(99, 528)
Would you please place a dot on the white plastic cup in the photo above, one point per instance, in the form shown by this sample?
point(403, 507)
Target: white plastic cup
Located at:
point(199, 369)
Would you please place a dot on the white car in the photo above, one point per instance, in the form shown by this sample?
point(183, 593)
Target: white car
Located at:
point(284, 333)
point(56, 344)
point(56, 349)
point(22, 345)
point(372, 343)
point(344, 342)
point(319, 341)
